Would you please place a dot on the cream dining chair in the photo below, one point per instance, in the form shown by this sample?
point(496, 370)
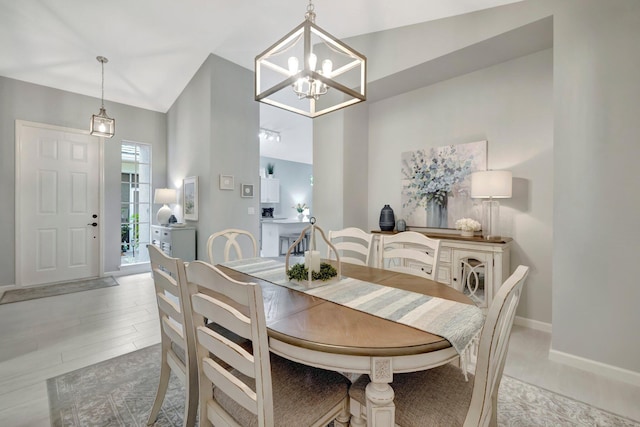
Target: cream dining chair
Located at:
point(409, 252)
point(177, 337)
point(441, 396)
point(353, 245)
point(257, 388)
point(231, 239)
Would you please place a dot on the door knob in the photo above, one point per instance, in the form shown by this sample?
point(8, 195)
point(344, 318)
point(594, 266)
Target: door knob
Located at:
point(93, 224)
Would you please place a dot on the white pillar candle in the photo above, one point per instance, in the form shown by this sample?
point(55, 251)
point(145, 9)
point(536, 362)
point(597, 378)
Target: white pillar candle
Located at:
point(312, 260)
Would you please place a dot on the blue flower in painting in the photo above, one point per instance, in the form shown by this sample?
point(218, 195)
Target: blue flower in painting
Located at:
point(433, 178)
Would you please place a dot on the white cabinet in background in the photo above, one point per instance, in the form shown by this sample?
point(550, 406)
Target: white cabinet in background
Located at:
point(269, 190)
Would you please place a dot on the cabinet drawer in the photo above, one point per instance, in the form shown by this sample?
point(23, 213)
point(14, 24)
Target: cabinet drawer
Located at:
point(161, 235)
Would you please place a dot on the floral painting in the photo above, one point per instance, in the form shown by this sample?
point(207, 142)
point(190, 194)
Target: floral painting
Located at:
point(436, 184)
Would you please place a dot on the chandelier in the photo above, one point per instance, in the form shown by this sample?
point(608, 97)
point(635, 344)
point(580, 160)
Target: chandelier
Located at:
point(101, 124)
point(310, 72)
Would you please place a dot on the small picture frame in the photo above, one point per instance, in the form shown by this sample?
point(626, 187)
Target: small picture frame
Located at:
point(190, 198)
point(246, 190)
point(226, 182)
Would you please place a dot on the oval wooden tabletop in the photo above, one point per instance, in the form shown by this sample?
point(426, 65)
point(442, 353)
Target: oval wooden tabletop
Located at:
point(310, 322)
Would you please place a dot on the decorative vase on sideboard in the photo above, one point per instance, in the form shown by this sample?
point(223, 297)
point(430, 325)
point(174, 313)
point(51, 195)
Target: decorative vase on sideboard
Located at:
point(387, 219)
point(437, 214)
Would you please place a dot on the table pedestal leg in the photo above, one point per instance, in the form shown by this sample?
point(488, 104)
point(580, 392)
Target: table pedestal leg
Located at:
point(380, 408)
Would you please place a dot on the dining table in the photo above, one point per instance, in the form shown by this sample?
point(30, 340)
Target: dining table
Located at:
point(307, 328)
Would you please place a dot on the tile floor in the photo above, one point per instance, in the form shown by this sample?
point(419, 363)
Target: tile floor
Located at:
point(43, 338)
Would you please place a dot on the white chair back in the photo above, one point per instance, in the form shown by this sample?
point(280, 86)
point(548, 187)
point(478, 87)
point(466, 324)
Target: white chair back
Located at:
point(239, 309)
point(176, 332)
point(492, 352)
point(409, 252)
point(352, 244)
point(231, 235)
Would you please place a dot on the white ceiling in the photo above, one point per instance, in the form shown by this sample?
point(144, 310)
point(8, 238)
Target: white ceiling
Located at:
point(154, 47)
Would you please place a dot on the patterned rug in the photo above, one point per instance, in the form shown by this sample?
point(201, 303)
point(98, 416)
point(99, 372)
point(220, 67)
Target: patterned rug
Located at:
point(120, 392)
point(35, 292)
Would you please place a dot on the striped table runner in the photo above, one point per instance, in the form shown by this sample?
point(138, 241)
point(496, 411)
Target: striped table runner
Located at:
point(458, 323)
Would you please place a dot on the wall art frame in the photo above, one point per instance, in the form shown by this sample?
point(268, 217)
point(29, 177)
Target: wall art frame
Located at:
point(190, 198)
point(227, 182)
point(246, 190)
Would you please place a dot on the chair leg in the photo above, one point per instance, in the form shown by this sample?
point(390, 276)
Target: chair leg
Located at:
point(191, 404)
point(342, 420)
point(165, 373)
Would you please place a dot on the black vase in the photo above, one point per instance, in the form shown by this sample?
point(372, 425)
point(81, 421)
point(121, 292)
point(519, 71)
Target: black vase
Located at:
point(387, 219)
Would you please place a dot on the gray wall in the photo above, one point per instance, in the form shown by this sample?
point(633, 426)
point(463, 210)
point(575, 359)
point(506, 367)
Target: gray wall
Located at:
point(295, 186)
point(571, 169)
point(26, 101)
point(511, 106)
point(597, 106)
point(213, 130)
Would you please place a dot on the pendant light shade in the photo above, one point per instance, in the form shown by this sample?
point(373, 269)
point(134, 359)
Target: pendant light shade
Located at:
point(310, 72)
point(101, 124)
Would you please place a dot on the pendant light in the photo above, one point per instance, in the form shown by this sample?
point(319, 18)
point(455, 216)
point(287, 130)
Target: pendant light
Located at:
point(101, 124)
point(310, 72)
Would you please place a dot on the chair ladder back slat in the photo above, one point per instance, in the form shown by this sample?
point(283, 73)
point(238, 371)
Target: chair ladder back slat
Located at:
point(200, 276)
point(226, 350)
point(351, 239)
point(176, 365)
point(222, 314)
point(412, 247)
point(169, 307)
point(170, 329)
point(164, 282)
point(231, 385)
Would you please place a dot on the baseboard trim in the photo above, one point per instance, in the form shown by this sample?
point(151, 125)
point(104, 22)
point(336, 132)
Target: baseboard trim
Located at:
point(598, 368)
point(532, 324)
point(125, 270)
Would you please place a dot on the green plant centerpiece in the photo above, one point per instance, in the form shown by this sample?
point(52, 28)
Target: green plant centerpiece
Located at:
point(300, 272)
point(312, 270)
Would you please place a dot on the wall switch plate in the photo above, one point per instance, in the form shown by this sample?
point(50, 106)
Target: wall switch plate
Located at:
point(251, 211)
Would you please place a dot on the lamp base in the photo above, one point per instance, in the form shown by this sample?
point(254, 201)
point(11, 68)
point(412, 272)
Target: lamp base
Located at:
point(163, 215)
point(491, 220)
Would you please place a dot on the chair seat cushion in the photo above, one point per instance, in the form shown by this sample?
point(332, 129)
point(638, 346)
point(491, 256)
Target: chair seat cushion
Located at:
point(435, 397)
point(302, 395)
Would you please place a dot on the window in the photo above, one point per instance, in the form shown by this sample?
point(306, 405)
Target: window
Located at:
point(135, 210)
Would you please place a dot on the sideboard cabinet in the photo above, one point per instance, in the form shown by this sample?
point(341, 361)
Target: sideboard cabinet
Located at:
point(472, 265)
point(177, 242)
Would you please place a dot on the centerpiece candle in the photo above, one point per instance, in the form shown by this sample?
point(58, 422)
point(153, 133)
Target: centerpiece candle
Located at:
point(312, 260)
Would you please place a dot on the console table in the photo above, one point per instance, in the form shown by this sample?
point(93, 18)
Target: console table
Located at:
point(177, 242)
point(472, 265)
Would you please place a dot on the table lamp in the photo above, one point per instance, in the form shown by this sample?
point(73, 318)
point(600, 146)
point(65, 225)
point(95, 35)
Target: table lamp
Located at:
point(164, 196)
point(491, 185)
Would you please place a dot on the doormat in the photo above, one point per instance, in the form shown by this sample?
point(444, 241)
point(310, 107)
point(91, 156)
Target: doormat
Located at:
point(35, 292)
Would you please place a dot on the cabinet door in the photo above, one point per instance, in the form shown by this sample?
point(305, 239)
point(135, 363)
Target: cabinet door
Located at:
point(269, 190)
point(473, 275)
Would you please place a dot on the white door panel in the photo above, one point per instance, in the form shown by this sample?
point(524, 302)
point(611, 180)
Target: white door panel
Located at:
point(58, 196)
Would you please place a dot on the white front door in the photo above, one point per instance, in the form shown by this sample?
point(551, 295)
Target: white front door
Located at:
point(57, 204)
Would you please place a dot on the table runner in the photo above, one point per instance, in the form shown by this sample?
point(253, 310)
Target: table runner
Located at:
point(458, 323)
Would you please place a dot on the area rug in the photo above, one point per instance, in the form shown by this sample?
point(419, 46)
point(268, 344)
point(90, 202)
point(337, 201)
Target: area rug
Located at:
point(35, 292)
point(120, 392)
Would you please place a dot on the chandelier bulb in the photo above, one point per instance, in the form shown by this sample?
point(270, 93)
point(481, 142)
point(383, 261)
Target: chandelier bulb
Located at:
point(293, 65)
point(313, 60)
point(327, 67)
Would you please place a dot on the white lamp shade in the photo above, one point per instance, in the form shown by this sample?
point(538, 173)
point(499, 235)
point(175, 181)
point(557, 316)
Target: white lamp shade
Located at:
point(491, 184)
point(165, 196)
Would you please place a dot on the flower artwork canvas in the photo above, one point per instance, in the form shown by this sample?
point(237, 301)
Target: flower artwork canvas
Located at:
point(436, 184)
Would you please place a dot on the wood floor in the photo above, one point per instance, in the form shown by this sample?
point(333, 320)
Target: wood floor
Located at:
point(43, 338)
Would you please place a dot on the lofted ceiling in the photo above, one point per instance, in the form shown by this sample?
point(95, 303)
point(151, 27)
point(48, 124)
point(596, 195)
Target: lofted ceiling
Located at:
point(154, 47)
